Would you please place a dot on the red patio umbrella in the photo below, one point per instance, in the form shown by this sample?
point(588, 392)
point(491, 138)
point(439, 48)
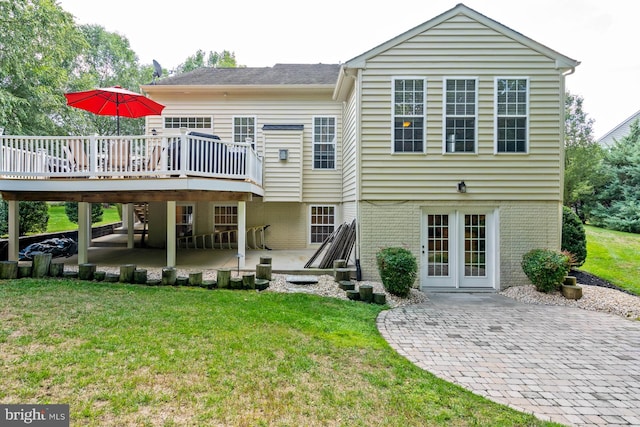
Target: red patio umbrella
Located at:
point(114, 101)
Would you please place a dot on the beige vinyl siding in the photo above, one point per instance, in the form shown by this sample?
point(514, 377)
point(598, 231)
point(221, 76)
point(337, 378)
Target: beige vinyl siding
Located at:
point(283, 179)
point(319, 185)
point(349, 150)
point(461, 47)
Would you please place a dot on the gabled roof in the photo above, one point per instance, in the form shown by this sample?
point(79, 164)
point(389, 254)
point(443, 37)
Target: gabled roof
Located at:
point(562, 62)
point(618, 132)
point(279, 74)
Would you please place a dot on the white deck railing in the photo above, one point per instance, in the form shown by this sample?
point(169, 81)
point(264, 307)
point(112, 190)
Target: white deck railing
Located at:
point(43, 157)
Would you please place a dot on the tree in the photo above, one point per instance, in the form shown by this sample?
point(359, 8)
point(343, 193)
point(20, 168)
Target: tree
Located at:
point(34, 217)
point(71, 209)
point(619, 198)
point(106, 61)
point(224, 59)
point(38, 41)
point(582, 158)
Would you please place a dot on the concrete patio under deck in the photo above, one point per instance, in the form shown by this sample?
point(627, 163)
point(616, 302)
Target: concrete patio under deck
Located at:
point(111, 250)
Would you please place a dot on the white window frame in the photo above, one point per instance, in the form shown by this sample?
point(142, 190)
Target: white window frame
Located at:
point(180, 223)
point(318, 143)
point(189, 122)
point(422, 116)
point(215, 224)
point(498, 116)
point(445, 116)
point(240, 137)
point(311, 224)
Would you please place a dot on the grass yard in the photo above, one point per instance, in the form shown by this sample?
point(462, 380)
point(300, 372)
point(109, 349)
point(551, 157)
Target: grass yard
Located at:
point(58, 220)
point(613, 256)
point(136, 355)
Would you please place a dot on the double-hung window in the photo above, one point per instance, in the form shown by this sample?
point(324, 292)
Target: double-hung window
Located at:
point(512, 102)
point(324, 142)
point(323, 223)
point(461, 114)
point(408, 115)
point(244, 130)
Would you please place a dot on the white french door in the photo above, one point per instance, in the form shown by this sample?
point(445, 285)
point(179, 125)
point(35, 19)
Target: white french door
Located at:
point(458, 249)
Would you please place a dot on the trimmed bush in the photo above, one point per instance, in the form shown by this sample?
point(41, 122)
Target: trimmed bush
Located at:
point(398, 269)
point(545, 268)
point(574, 238)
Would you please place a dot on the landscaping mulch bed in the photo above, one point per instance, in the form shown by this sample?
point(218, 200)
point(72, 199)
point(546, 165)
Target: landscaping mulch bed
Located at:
point(589, 279)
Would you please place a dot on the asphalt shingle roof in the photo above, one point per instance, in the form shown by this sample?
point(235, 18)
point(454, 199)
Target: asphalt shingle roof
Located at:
point(279, 74)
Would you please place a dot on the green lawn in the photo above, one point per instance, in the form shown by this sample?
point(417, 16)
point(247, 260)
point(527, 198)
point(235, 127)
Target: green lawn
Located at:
point(136, 355)
point(58, 220)
point(613, 256)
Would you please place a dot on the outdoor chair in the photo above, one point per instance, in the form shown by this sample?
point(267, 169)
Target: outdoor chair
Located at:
point(76, 155)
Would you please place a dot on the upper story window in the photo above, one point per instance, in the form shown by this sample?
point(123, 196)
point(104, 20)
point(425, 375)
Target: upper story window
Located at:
point(408, 115)
point(512, 103)
point(188, 122)
point(324, 142)
point(244, 130)
point(460, 115)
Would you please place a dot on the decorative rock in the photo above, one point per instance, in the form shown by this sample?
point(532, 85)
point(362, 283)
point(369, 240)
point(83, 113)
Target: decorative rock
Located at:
point(366, 293)
point(347, 285)
point(86, 271)
point(224, 278)
point(56, 269)
point(99, 276)
point(140, 276)
point(169, 275)
point(353, 295)
point(8, 269)
point(262, 284)
point(126, 273)
point(380, 298)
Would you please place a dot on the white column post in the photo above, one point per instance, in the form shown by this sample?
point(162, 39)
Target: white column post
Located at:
point(130, 224)
point(242, 232)
point(14, 230)
point(84, 230)
point(171, 233)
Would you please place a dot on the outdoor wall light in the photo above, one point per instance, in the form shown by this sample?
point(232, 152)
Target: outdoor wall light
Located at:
point(462, 187)
point(283, 154)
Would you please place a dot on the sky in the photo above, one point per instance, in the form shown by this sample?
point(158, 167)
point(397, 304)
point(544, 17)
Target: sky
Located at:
point(600, 34)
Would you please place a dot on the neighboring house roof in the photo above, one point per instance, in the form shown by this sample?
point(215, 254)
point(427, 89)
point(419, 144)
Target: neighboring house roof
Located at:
point(279, 74)
point(618, 132)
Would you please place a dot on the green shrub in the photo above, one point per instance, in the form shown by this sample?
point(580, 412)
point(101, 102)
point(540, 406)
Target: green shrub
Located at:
point(33, 217)
point(574, 239)
point(545, 268)
point(71, 209)
point(398, 269)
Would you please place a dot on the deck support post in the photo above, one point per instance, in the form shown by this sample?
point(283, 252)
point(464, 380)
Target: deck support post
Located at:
point(84, 230)
point(171, 233)
point(14, 230)
point(242, 232)
point(130, 224)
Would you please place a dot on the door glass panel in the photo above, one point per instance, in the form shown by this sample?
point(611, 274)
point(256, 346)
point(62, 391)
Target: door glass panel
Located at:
point(475, 245)
point(184, 220)
point(438, 245)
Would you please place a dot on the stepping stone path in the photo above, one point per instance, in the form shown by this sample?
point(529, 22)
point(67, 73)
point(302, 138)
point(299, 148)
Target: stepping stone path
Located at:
point(302, 280)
